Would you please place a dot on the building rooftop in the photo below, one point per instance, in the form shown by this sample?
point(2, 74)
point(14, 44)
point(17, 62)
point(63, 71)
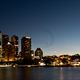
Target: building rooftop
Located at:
point(28, 37)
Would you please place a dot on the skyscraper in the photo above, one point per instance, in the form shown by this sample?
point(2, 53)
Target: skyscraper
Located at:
point(14, 41)
point(3, 44)
point(26, 49)
point(5, 40)
point(9, 53)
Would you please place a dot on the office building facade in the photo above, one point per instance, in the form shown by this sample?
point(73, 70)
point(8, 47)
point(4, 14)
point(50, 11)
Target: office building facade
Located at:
point(15, 43)
point(26, 49)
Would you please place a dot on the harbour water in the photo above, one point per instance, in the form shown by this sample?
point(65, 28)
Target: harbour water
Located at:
point(40, 73)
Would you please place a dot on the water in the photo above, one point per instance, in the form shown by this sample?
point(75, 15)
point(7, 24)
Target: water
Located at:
point(40, 73)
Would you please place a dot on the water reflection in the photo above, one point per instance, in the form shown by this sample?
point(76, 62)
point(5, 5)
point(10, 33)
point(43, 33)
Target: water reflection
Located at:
point(7, 74)
point(15, 73)
point(40, 73)
point(61, 74)
point(23, 73)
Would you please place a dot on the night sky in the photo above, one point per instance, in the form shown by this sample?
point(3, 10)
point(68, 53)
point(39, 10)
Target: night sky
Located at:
point(53, 25)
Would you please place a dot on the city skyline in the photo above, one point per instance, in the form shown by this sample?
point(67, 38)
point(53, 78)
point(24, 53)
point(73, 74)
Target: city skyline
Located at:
point(53, 26)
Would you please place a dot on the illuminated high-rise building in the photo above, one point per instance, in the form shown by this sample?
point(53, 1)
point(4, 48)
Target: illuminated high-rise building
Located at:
point(9, 52)
point(5, 40)
point(14, 41)
point(26, 49)
point(26, 45)
point(3, 44)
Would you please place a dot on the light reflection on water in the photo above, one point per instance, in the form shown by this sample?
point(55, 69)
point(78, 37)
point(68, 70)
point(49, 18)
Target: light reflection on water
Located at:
point(40, 73)
point(61, 74)
point(7, 74)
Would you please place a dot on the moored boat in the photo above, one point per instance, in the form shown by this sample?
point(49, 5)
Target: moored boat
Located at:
point(5, 65)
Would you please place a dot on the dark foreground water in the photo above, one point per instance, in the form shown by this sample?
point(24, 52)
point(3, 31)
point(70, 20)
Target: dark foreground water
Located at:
point(40, 73)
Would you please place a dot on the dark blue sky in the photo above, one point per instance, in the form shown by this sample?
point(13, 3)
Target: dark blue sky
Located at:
point(54, 25)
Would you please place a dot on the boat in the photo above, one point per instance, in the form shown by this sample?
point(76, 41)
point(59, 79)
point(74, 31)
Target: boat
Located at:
point(5, 65)
point(28, 65)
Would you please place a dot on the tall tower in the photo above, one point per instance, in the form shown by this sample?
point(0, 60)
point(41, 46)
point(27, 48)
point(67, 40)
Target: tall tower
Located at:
point(26, 45)
point(3, 44)
point(10, 50)
point(14, 41)
point(5, 40)
point(26, 49)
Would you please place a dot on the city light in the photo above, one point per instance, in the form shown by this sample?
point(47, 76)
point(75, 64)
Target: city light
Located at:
point(9, 54)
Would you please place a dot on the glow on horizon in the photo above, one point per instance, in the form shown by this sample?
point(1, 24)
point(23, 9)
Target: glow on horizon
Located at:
point(58, 53)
